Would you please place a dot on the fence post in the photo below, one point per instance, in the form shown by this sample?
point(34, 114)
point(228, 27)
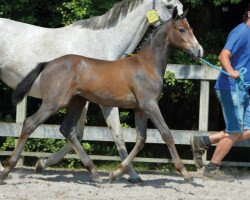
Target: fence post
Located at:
point(21, 110)
point(204, 105)
point(204, 110)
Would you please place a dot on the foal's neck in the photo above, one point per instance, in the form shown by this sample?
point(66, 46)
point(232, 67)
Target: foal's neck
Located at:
point(160, 47)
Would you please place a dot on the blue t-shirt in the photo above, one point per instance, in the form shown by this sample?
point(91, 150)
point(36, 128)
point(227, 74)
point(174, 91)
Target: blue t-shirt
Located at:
point(238, 43)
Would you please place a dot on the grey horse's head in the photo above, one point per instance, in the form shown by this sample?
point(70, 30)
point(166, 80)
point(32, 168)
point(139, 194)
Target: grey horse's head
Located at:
point(165, 9)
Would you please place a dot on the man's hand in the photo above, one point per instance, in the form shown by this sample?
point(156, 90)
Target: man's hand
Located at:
point(234, 74)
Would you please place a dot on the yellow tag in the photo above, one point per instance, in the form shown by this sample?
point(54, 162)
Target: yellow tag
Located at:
point(152, 16)
point(131, 54)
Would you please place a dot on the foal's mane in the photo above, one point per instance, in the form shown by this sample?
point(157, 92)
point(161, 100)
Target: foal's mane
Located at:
point(157, 30)
point(111, 18)
point(160, 29)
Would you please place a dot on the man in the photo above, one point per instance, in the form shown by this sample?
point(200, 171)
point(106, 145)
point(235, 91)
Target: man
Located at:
point(234, 56)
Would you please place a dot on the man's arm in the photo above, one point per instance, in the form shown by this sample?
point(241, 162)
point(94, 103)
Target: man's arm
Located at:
point(224, 59)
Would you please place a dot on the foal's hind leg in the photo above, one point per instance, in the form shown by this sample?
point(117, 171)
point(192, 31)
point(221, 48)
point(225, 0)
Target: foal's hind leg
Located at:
point(111, 116)
point(153, 111)
point(43, 163)
point(29, 125)
point(68, 129)
point(141, 129)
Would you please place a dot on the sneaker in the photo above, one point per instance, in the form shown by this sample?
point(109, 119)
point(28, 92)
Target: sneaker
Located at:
point(217, 174)
point(198, 150)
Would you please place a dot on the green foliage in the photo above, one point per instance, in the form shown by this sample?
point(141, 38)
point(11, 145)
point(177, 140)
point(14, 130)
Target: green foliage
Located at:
point(41, 145)
point(124, 117)
point(87, 147)
point(214, 41)
point(220, 2)
point(99, 7)
point(50, 145)
point(104, 148)
point(42, 13)
point(180, 102)
point(186, 86)
point(44, 145)
point(180, 57)
point(9, 144)
point(212, 58)
point(199, 3)
point(74, 10)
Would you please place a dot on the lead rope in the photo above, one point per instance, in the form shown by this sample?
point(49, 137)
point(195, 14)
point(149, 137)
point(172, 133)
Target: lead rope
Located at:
point(240, 84)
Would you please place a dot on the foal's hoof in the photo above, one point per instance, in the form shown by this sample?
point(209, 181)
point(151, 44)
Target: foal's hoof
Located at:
point(134, 177)
point(40, 165)
point(97, 179)
point(112, 176)
point(135, 180)
point(2, 177)
point(188, 178)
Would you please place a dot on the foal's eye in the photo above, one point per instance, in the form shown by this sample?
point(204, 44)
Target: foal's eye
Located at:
point(182, 30)
point(169, 7)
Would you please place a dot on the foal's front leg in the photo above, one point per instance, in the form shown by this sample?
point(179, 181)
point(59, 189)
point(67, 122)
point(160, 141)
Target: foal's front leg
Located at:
point(141, 129)
point(154, 113)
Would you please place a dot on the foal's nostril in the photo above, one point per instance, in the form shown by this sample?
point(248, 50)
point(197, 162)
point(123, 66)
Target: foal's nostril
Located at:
point(199, 53)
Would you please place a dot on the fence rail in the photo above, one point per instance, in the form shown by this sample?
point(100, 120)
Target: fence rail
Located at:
point(182, 137)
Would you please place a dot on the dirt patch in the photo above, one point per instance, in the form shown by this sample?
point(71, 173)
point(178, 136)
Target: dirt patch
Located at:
point(24, 184)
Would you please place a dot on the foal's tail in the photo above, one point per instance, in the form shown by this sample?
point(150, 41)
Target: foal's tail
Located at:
point(25, 85)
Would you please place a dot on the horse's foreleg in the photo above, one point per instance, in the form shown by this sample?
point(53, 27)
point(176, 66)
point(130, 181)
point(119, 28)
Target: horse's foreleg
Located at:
point(1, 167)
point(58, 156)
point(29, 125)
point(68, 129)
point(154, 113)
point(111, 116)
point(141, 129)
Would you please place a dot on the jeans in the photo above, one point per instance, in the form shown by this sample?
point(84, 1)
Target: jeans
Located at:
point(237, 118)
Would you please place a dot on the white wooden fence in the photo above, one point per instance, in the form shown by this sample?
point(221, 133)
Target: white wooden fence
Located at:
point(182, 137)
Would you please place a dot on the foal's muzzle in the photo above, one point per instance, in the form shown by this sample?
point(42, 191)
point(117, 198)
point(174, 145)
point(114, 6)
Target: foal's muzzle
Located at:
point(197, 51)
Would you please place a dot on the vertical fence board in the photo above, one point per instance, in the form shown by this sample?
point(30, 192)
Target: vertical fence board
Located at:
point(204, 106)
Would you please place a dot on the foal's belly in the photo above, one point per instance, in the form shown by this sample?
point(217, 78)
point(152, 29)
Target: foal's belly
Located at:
point(104, 98)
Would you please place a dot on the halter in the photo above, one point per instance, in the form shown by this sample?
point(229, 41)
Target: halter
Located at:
point(154, 4)
point(155, 18)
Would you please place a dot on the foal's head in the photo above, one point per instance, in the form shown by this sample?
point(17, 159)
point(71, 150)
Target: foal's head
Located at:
point(180, 35)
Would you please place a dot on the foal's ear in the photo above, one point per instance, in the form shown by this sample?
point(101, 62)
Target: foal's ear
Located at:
point(175, 13)
point(183, 15)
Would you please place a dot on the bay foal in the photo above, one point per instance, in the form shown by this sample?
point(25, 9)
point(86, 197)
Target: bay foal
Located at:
point(135, 82)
